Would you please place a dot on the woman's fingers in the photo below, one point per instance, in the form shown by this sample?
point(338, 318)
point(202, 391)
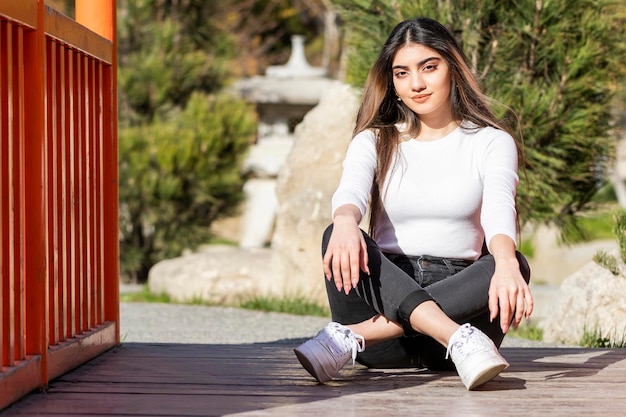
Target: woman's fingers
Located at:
point(343, 262)
point(513, 304)
point(530, 303)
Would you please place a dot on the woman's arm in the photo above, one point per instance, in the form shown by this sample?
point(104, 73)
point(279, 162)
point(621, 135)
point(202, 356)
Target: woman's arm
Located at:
point(346, 254)
point(509, 293)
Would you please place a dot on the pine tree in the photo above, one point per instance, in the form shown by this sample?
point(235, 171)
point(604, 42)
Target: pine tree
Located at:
point(177, 177)
point(556, 64)
point(181, 141)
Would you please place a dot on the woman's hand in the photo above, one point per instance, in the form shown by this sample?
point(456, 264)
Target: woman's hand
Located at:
point(346, 254)
point(509, 294)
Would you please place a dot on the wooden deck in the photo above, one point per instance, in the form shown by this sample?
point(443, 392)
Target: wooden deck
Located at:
point(139, 379)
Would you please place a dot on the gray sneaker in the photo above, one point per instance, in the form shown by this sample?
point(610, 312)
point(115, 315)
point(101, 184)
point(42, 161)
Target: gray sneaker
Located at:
point(328, 352)
point(475, 356)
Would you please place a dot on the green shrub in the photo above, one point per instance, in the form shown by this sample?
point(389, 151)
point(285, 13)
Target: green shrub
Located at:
point(177, 176)
point(527, 331)
point(607, 261)
point(620, 232)
point(593, 338)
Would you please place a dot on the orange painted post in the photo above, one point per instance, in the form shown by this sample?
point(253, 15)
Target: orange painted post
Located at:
point(110, 184)
point(35, 230)
point(97, 15)
point(20, 358)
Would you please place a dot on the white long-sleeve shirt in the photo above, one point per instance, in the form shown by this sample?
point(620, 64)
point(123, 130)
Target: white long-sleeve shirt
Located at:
point(443, 197)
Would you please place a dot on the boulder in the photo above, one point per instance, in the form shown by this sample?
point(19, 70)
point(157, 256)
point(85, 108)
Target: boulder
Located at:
point(591, 299)
point(218, 274)
point(304, 191)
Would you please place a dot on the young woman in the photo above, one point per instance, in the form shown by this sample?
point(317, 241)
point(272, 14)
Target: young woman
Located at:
point(438, 280)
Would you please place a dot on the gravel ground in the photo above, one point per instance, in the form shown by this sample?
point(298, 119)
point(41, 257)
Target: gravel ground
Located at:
point(176, 323)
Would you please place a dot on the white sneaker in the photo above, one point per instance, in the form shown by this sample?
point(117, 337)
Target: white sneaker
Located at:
point(328, 352)
point(475, 356)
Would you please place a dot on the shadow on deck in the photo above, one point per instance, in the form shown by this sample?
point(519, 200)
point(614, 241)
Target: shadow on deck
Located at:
point(140, 379)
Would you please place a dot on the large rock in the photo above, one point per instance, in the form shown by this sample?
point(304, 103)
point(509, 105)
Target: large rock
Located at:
point(304, 190)
point(218, 274)
point(593, 300)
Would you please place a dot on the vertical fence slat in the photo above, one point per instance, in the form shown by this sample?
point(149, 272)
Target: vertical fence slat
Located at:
point(72, 192)
point(8, 283)
point(19, 312)
point(99, 192)
point(51, 139)
point(80, 162)
point(5, 122)
point(88, 190)
point(5, 50)
point(62, 103)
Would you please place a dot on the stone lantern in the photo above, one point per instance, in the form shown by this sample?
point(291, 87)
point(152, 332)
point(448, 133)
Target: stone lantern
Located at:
point(282, 97)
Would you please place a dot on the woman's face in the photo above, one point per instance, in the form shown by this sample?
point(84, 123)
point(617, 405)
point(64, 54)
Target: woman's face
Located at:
point(422, 81)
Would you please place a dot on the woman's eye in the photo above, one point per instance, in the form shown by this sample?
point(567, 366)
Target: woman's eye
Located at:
point(431, 65)
point(400, 74)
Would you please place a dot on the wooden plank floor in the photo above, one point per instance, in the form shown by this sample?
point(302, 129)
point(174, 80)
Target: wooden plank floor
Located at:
point(140, 379)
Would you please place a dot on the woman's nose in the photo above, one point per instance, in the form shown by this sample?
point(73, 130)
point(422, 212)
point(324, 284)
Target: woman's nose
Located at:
point(417, 83)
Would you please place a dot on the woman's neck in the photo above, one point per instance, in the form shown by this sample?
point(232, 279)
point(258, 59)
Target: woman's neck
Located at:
point(433, 130)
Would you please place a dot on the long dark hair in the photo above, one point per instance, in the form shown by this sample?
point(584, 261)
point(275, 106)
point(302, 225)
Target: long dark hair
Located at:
point(380, 110)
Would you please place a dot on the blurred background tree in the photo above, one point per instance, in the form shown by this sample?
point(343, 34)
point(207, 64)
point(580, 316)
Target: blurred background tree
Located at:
point(557, 64)
point(183, 139)
point(177, 176)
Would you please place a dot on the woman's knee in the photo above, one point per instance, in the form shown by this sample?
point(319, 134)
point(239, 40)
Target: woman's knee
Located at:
point(326, 238)
point(524, 267)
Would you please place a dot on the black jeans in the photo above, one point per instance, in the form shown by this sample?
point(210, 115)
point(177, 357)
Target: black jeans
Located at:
point(397, 284)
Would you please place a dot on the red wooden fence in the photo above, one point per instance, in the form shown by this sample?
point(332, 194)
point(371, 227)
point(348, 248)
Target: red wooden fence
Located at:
point(58, 186)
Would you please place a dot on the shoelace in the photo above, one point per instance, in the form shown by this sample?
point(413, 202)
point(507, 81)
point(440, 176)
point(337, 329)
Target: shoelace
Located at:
point(466, 331)
point(356, 346)
point(356, 342)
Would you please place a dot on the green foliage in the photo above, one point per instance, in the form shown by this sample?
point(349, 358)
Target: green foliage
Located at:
point(177, 176)
point(527, 331)
point(165, 54)
point(181, 141)
point(144, 296)
point(294, 305)
point(593, 338)
point(593, 226)
point(607, 261)
point(620, 232)
point(555, 63)
point(298, 305)
point(526, 248)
